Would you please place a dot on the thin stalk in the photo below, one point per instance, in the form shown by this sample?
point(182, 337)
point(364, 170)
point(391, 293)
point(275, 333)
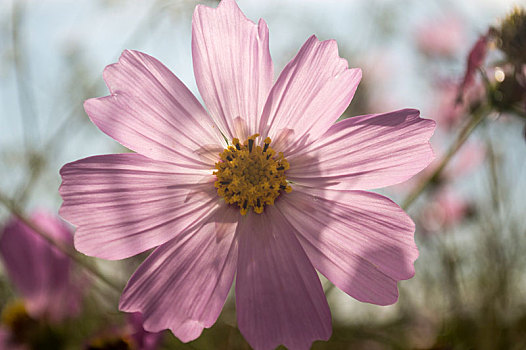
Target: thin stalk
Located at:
point(12, 207)
point(477, 118)
point(24, 92)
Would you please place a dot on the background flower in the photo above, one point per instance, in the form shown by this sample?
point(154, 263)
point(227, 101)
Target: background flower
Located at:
point(41, 273)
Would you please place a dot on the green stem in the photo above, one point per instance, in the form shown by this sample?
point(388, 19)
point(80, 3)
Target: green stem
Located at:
point(477, 118)
point(12, 207)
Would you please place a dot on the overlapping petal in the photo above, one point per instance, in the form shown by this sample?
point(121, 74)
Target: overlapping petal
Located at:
point(366, 152)
point(361, 241)
point(310, 94)
point(184, 283)
point(153, 113)
point(232, 66)
point(279, 299)
point(124, 204)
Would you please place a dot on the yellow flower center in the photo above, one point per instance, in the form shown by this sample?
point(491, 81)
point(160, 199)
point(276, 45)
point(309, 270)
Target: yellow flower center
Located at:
point(251, 176)
point(14, 314)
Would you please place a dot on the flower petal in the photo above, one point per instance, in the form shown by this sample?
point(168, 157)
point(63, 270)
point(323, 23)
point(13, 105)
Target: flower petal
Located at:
point(279, 298)
point(310, 94)
point(184, 283)
point(124, 204)
point(232, 66)
point(152, 112)
point(143, 339)
point(366, 152)
point(361, 241)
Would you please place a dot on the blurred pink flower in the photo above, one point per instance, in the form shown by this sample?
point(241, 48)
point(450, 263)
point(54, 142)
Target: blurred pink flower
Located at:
point(448, 111)
point(313, 212)
point(467, 160)
point(441, 37)
point(40, 272)
point(445, 208)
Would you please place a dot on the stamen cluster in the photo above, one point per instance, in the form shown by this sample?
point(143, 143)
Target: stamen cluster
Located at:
point(251, 176)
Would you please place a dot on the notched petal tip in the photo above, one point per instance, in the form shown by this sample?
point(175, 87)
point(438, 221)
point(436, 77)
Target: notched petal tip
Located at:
point(185, 331)
point(188, 330)
point(225, 8)
point(388, 301)
point(356, 74)
point(331, 46)
point(429, 125)
point(413, 115)
point(88, 106)
point(111, 69)
point(94, 107)
point(262, 30)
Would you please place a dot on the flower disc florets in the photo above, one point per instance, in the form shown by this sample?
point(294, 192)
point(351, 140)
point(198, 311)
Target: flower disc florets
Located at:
point(511, 36)
point(251, 176)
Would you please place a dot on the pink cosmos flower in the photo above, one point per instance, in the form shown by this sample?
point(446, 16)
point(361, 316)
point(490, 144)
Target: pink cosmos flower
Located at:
point(443, 36)
point(40, 272)
point(263, 186)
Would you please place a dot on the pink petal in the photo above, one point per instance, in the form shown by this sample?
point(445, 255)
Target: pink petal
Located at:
point(476, 58)
point(152, 112)
point(361, 241)
point(143, 339)
point(184, 283)
point(124, 204)
point(310, 94)
point(232, 66)
point(366, 152)
point(279, 298)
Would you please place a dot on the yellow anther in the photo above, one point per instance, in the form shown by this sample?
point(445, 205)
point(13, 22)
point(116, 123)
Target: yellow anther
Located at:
point(249, 175)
